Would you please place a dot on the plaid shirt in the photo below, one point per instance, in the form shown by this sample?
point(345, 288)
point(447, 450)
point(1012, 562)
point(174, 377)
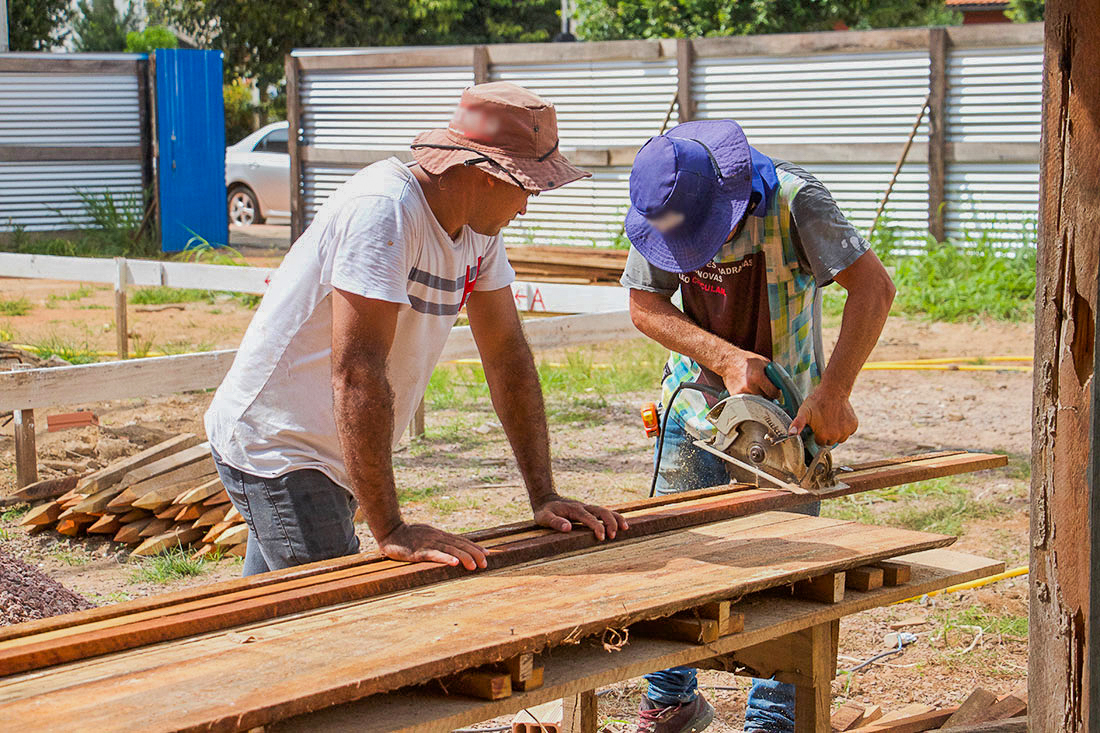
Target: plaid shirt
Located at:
point(791, 295)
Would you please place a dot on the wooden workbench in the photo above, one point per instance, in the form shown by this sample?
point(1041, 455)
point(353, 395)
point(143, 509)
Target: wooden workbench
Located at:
point(347, 660)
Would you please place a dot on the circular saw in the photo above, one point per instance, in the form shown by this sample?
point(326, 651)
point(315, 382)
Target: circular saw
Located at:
point(751, 435)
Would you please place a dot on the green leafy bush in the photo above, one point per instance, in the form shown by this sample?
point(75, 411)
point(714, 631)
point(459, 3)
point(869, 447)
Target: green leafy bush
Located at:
point(150, 39)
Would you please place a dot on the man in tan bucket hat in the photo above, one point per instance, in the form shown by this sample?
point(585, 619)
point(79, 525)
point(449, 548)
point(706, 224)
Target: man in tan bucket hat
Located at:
point(340, 351)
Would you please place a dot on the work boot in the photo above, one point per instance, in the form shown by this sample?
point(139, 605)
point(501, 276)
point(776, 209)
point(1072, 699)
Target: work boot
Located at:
point(686, 717)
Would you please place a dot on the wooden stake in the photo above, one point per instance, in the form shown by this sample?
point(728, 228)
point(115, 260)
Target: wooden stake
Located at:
point(26, 460)
point(122, 339)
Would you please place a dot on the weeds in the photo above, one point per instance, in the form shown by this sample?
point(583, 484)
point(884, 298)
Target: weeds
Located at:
point(161, 294)
point(170, 565)
point(70, 351)
point(15, 512)
point(14, 306)
point(69, 556)
point(408, 496)
point(80, 293)
point(990, 623)
point(940, 505)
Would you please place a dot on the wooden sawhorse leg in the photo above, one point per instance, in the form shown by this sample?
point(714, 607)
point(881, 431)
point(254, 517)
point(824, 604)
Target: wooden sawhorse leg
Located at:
point(805, 659)
point(579, 713)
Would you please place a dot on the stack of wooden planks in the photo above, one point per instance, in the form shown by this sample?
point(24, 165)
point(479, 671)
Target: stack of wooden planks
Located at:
point(582, 265)
point(980, 708)
point(165, 497)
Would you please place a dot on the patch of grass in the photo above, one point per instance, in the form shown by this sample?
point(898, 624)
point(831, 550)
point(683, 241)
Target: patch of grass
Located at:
point(70, 556)
point(410, 495)
point(70, 351)
point(95, 307)
point(15, 512)
point(106, 598)
point(162, 294)
point(5, 534)
point(168, 566)
point(850, 508)
point(449, 504)
point(990, 623)
point(80, 293)
point(14, 306)
point(947, 517)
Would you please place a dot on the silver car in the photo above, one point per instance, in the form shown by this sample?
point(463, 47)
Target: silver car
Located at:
point(257, 176)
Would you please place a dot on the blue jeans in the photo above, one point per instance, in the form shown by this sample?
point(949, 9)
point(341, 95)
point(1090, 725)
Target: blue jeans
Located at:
point(293, 519)
point(684, 467)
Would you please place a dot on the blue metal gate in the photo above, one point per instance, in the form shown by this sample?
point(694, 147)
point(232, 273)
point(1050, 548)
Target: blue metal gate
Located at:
point(191, 148)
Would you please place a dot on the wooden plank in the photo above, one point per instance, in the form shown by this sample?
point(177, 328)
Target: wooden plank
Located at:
point(26, 459)
point(511, 592)
point(552, 53)
point(294, 146)
point(67, 64)
point(43, 515)
point(694, 630)
point(801, 44)
point(996, 35)
point(38, 154)
point(973, 709)
point(481, 65)
point(911, 723)
point(130, 533)
point(386, 59)
point(864, 578)
point(107, 524)
point(847, 716)
point(116, 470)
point(178, 537)
point(938, 43)
point(202, 492)
point(583, 667)
point(1012, 725)
point(660, 514)
point(166, 466)
point(43, 489)
point(160, 491)
point(685, 61)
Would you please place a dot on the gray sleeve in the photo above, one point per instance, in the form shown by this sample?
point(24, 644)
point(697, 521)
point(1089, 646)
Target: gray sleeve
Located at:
point(827, 242)
point(640, 275)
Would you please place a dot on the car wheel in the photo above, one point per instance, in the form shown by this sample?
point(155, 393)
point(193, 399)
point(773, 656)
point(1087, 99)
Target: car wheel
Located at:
point(244, 208)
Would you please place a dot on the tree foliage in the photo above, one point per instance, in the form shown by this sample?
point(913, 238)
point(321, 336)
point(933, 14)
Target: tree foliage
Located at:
point(621, 19)
point(1025, 11)
point(99, 26)
point(150, 39)
point(255, 37)
point(38, 25)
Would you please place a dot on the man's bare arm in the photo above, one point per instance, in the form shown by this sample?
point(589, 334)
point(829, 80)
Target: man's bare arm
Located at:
point(742, 371)
point(517, 398)
point(362, 335)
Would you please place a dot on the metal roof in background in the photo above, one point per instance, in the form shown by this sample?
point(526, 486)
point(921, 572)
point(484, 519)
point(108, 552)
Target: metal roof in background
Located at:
point(318, 183)
point(601, 103)
point(47, 196)
point(995, 94)
point(858, 189)
point(849, 98)
point(379, 109)
point(587, 212)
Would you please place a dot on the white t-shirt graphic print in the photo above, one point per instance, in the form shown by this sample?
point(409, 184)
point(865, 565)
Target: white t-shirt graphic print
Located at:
point(375, 237)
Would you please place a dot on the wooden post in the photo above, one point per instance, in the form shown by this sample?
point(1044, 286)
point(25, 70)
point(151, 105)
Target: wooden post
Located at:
point(937, 130)
point(1062, 673)
point(813, 694)
point(418, 420)
point(580, 714)
point(122, 333)
point(685, 58)
point(26, 461)
point(482, 73)
point(293, 116)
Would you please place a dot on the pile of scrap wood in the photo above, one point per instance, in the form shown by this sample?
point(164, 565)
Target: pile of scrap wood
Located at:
point(568, 264)
point(166, 496)
point(982, 710)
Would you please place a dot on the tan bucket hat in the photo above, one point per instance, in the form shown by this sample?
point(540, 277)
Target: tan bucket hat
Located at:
point(507, 131)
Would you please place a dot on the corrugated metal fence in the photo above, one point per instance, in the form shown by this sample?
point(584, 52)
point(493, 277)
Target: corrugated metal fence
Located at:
point(840, 104)
point(71, 127)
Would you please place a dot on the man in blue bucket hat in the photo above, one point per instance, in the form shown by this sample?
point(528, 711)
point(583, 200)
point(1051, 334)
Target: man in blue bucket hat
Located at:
point(748, 242)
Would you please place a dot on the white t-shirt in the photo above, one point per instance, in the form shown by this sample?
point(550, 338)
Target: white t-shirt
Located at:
point(375, 237)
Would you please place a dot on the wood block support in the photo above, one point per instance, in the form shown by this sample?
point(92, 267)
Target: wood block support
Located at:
point(483, 684)
point(26, 460)
point(580, 714)
point(864, 578)
point(894, 573)
point(524, 672)
point(827, 588)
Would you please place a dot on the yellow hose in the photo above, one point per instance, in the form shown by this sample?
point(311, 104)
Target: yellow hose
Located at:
point(1015, 572)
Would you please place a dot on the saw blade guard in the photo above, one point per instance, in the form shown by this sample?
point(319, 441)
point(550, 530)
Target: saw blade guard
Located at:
point(754, 430)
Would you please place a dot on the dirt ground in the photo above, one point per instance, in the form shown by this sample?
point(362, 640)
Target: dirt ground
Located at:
point(460, 477)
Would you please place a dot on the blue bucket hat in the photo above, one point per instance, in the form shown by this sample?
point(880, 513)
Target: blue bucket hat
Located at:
point(689, 189)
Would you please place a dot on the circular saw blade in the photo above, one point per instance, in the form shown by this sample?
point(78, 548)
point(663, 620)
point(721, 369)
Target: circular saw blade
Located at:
point(761, 440)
